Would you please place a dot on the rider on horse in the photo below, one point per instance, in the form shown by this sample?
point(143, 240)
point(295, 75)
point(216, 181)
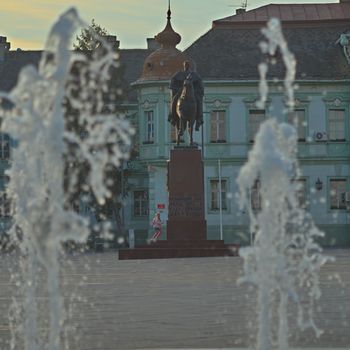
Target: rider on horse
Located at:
point(176, 85)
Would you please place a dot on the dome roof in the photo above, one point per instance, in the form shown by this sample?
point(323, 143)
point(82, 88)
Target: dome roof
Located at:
point(163, 63)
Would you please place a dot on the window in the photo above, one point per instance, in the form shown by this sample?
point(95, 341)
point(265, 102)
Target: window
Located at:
point(337, 193)
point(141, 203)
point(149, 117)
point(256, 117)
point(4, 146)
point(4, 180)
point(301, 192)
point(172, 133)
point(337, 124)
point(214, 194)
point(297, 118)
point(255, 197)
point(5, 206)
point(217, 126)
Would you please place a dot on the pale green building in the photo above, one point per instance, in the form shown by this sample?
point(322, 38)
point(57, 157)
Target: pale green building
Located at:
point(226, 57)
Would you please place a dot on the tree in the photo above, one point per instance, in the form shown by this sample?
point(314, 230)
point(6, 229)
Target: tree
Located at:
point(89, 44)
point(87, 40)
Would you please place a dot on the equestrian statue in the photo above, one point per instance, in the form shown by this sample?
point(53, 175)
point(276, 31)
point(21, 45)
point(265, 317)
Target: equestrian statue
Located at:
point(186, 108)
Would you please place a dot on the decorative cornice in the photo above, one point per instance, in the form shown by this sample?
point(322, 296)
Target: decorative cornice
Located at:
point(300, 101)
point(217, 101)
point(251, 102)
point(148, 103)
point(336, 101)
point(140, 84)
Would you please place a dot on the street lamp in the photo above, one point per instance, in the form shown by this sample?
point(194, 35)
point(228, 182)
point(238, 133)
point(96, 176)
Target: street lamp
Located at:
point(202, 127)
point(318, 184)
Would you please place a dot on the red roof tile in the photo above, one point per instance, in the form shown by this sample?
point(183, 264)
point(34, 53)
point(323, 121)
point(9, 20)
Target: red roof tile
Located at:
point(337, 12)
point(324, 12)
point(286, 13)
point(274, 11)
point(311, 13)
point(298, 12)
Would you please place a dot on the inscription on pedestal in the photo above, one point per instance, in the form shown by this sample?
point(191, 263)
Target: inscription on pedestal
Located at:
point(186, 207)
point(186, 216)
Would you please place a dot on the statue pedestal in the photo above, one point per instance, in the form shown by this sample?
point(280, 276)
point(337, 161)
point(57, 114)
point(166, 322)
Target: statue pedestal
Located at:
point(186, 218)
point(186, 225)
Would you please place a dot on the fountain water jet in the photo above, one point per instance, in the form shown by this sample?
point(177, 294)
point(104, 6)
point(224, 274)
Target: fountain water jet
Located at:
point(45, 144)
point(285, 259)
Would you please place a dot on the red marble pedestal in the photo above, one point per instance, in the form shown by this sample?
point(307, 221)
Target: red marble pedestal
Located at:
point(186, 217)
point(186, 225)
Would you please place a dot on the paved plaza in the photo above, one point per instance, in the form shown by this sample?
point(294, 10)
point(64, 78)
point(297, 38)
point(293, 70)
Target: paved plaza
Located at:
point(172, 303)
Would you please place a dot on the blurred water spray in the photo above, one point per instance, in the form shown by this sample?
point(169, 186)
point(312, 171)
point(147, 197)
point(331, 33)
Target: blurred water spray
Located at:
point(285, 258)
point(69, 88)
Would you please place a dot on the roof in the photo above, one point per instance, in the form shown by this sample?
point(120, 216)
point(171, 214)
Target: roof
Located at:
point(12, 65)
point(164, 62)
point(131, 61)
point(291, 13)
point(232, 52)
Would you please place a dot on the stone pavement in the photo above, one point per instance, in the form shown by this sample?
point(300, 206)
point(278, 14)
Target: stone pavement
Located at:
point(173, 304)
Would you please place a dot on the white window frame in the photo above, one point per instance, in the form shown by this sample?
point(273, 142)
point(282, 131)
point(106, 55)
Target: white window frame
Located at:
point(255, 196)
point(5, 151)
point(5, 205)
point(254, 122)
point(297, 118)
point(301, 192)
point(336, 124)
point(149, 126)
point(140, 205)
point(218, 126)
point(173, 135)
point(214, 194)
point(337, 194)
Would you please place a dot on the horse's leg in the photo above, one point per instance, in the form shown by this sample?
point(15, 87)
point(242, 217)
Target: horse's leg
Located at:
point(181, 126)
point(178, 131)
point(190, 132)
point(184, 125)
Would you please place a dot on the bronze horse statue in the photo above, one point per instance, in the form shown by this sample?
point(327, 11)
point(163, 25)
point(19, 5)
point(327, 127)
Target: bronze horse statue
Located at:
point(186, 110)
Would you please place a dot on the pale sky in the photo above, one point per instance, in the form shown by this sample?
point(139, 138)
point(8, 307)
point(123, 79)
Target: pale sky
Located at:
point(26, 23)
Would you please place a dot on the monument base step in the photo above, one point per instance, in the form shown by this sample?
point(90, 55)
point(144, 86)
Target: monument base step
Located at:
point(183, 249)
point(191, 243)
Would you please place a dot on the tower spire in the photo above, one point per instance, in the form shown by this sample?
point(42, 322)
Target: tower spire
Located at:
point(168, 37)
point(169, 11)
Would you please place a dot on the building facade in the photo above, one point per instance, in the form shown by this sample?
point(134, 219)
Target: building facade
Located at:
point(226, 57)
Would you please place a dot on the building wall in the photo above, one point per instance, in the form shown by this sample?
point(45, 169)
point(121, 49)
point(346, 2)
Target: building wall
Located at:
point(318, 160)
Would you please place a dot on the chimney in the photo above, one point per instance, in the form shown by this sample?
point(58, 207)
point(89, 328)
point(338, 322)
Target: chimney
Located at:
point(152, 44)
point(112, 40)
point(240, 11)
point(4, 47)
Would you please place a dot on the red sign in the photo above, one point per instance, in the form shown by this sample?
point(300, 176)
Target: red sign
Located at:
point(160, 206)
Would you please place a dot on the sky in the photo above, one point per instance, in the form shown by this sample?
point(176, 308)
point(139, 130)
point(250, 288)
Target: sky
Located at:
point(26, 23)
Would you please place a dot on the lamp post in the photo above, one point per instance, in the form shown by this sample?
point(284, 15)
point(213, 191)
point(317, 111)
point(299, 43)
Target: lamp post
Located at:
point(318, 184)
point(202, 135)
point(220, 200)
